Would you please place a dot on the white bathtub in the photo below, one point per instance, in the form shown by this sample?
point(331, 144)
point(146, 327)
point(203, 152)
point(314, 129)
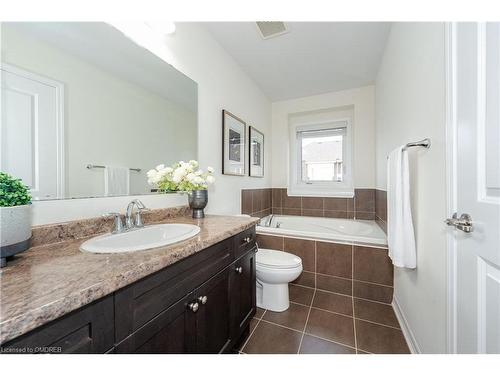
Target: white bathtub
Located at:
point(318, 228)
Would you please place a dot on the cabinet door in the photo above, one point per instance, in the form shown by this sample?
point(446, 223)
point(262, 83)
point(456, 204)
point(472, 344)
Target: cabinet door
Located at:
point(212, 318)
point(242, 292)
point(137, 304)
point(87, 330)
point(171, 332)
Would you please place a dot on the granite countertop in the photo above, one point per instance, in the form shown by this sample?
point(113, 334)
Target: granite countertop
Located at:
point(49, 281)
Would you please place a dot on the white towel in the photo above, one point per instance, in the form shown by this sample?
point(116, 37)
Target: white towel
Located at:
point(400, 235)
point(116, 181)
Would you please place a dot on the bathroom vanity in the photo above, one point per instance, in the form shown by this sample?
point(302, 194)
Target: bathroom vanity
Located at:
point(197, 296)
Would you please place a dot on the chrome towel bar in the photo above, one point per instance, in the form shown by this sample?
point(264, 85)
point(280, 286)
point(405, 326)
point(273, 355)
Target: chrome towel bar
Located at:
point(91, 166)
point(423, 143)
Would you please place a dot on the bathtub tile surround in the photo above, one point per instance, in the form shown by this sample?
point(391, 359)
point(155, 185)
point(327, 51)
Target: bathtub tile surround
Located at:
point(381, 209)
point(256, 202)
point(320, 322)
point(359, 271)
point(304, 250)
point(372, 265)
point(334, 259)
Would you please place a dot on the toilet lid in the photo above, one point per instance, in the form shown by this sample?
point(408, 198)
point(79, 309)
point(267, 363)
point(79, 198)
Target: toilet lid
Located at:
point(277, 259)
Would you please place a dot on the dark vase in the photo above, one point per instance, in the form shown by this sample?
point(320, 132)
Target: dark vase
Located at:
point(198, 200)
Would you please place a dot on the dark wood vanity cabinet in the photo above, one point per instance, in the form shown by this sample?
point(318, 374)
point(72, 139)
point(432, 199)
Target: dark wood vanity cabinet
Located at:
point(202, 304)
point(87, 330)
point(210, 319)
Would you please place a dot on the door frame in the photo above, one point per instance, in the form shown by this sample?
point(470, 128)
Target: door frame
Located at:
point(59, 91)
point(451, 183)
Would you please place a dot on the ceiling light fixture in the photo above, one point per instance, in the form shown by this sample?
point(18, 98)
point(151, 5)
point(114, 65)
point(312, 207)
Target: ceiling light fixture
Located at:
point(270, 29)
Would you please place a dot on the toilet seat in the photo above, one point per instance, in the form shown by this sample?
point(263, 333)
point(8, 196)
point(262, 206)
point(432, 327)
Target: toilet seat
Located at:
point(275, 259)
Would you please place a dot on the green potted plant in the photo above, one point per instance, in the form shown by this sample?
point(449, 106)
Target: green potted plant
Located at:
point(15, 217)
point(185, 178)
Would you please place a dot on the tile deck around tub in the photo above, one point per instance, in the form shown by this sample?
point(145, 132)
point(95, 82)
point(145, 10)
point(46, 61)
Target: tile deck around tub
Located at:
point(322, 322)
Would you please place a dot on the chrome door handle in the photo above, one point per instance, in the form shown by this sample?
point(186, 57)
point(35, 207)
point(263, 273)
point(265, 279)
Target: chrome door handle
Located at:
point(203, 299)
point(463, 223)
point(194, 306)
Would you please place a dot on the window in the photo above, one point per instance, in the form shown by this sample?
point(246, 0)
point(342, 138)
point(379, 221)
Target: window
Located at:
point(320, 159)
point(322, 154)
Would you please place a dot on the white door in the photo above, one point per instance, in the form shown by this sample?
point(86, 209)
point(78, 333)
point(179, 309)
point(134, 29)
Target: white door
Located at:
point(476, 87)
point(31, 131)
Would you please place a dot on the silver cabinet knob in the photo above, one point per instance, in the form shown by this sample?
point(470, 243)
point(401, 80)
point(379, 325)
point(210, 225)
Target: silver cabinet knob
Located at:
point(239, 269)
point(194, 306)
point(247, 239)
point(203, 299)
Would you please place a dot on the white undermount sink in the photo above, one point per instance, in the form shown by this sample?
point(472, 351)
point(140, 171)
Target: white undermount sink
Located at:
point(145, 238)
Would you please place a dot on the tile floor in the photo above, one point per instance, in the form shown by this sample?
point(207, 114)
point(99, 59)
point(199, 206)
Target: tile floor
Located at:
point(320, 322)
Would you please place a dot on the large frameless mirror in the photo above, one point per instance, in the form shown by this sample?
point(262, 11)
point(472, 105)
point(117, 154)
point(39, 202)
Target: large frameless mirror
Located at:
point(86, 112)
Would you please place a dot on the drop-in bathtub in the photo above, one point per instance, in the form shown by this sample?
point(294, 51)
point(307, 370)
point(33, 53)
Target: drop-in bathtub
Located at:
point(327, 229)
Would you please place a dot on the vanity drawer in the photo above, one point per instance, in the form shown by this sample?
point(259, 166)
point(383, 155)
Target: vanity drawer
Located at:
point(87, 330)
point(138, 303)
point(243, 242)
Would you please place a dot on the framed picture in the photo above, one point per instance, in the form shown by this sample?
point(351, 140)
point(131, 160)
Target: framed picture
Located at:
point(256, 155)
point(233, 145)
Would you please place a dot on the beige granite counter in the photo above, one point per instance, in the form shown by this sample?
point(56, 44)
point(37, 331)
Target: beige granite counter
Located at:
point(51, 280)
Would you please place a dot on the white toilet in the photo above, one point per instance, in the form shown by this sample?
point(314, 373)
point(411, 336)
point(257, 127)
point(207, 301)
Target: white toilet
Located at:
point(275, 269)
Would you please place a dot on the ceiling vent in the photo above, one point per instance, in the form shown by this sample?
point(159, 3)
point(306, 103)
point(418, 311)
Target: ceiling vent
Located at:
point(270, 29)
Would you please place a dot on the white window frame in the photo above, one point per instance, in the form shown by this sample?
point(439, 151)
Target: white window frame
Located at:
point(297, 187)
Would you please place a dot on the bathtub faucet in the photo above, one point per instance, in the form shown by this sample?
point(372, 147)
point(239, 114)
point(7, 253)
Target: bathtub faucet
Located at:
point(269, 220)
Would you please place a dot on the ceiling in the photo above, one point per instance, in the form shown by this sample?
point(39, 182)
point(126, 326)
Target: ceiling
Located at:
point(312, 58)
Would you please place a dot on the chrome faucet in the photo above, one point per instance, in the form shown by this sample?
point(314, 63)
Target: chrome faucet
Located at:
point(118, 224)
point(269, 220)
point(129, 222)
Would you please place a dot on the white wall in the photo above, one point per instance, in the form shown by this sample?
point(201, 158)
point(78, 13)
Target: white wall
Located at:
point(361, 99)
point(221, 85)
point(410, 105)
point(108, 120)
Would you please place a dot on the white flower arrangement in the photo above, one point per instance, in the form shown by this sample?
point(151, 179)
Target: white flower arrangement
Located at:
point(181, 176)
